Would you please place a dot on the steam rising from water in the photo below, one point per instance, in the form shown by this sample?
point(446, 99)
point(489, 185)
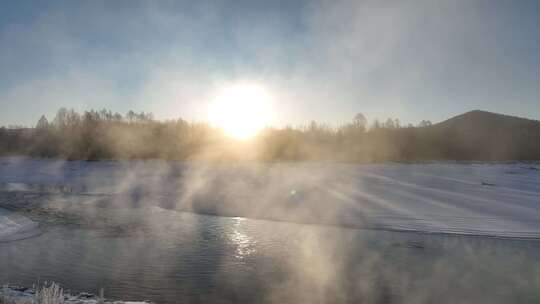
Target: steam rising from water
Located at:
point(133, 230)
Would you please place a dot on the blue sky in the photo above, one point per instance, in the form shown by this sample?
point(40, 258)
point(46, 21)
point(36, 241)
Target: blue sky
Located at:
point(322, 60)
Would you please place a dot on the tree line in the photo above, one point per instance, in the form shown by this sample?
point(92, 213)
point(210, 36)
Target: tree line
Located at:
point(95, 135)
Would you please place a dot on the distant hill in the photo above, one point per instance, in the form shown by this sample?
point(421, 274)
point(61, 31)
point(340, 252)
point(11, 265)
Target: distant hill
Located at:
point(478, 119)
point(481, 135)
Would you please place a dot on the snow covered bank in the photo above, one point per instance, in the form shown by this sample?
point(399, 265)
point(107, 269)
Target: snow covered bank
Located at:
point(486, 199)
point(15, 226)
point(22, 295)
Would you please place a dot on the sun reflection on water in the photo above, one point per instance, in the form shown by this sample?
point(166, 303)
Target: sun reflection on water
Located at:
point(245, 245)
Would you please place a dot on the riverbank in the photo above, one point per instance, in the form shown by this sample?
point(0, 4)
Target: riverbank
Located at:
point(25, 295)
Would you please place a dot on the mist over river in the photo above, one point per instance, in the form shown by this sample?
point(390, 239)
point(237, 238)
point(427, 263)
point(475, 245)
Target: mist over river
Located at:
point(275, 233)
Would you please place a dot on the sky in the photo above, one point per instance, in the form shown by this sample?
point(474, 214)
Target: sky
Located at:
point(320, 60)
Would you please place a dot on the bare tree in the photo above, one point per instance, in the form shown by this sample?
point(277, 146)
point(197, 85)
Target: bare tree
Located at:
point(389, 124)
point(360, 121)
point(43, 123)
point(424, 123)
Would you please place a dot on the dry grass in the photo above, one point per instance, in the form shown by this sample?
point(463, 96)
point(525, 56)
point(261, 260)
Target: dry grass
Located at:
point(52, 294)
point(47, 294)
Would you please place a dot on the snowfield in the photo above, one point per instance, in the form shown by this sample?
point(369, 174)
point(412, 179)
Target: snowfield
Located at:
point(496, 200)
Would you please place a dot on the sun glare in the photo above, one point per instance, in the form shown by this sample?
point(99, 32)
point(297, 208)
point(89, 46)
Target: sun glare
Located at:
point(241, 110)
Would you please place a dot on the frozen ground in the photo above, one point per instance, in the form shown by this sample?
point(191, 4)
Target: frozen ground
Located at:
point(498, 200)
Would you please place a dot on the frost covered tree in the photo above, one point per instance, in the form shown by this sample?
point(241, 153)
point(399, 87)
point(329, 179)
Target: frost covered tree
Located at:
point(376, 124)
point(360, 121)
point(43, 123)
point(389, 124)
point(424, 123)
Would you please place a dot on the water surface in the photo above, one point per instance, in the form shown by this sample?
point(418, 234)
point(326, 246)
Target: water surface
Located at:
point(284, 234)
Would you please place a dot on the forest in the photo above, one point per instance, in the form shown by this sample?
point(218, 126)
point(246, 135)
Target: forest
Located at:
point(100, 135)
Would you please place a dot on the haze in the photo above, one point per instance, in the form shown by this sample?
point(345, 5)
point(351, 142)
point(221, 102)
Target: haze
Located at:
point(322, 60)
point(344, 151)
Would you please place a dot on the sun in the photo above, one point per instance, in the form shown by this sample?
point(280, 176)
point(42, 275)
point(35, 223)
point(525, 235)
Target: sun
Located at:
point(241, 110)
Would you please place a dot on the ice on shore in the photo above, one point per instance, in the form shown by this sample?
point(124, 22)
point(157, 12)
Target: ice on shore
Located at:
point(15, 294)
point(14, 226)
